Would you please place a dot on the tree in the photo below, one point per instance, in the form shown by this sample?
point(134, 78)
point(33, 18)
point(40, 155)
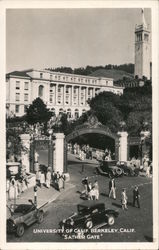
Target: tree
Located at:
point(105, 107)
point(37, 112)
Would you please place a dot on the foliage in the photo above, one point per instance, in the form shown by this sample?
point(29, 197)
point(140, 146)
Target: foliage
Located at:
point(38, 112)
point(134, 107)
point(14, 144)
point(88, 70)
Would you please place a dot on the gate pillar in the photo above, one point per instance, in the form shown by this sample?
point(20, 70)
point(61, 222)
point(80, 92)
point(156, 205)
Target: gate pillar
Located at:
point(25, 138)
point(59, 153)
point(123, 145)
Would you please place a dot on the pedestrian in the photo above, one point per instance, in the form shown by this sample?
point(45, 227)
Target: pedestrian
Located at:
point(63, 179)
point(48, 179)
point(136, 196)
point(96, 187)
point(124, 199)
point(148, 171)
point(92, 194)
point(85, 183)
point(42, 179)
point(112, 188)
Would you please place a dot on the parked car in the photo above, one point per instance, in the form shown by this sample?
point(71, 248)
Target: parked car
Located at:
point(129, 170)
point(90, 214)
point(22, 216)
point(110, 168)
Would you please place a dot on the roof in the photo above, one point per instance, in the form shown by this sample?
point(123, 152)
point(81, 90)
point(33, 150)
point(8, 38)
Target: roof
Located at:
point(18, 73)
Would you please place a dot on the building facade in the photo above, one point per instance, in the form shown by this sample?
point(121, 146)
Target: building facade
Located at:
point(61, 92)
point(142, 49)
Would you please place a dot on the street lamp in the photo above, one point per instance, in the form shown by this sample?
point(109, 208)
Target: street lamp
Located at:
point(50, 150)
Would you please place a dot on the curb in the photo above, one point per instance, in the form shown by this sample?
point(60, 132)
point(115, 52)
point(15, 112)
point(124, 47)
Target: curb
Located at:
point(55, 197)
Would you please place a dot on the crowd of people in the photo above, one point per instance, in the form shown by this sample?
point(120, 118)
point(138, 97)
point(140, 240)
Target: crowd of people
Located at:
point(91, 192)
point(86, 152)
point(16, 186)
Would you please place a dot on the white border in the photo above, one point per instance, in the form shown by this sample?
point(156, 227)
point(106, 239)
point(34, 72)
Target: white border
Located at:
point(154, 5)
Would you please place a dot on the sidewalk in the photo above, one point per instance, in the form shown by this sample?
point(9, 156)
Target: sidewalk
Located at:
point(44, 196)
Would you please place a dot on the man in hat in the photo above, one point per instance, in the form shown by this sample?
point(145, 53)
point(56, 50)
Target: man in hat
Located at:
point(136, 196)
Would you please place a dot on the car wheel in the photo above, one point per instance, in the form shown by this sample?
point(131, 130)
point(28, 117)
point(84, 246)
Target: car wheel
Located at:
point(40, 217)
point(119, 171)
point(111, 220)
point(20, 230)
point(89, 224)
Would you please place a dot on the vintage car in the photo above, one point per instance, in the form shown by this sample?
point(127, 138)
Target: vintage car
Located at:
point(110, 168)
point(90, 214)
point(22, 216)
point(129, 170)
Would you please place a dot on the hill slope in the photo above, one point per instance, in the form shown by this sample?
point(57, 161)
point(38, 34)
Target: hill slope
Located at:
point(112, 73)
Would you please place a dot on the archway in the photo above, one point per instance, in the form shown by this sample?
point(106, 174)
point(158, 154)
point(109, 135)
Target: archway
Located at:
point(92, 126)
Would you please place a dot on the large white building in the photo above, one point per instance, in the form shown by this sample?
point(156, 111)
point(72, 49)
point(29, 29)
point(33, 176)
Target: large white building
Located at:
point(61, 92)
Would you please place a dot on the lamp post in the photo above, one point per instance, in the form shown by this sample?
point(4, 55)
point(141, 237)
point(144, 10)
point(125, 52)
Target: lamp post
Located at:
point(50, 151)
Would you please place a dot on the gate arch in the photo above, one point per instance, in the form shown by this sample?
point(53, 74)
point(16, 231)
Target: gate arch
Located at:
point(92, 125)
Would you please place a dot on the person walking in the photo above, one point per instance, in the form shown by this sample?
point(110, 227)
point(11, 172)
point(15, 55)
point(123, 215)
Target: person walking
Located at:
point(96, 188)
point(42, 179)
point(85, 183)
point(124, 199)
point(48, 179)
point(112, 188)
point(136, 196)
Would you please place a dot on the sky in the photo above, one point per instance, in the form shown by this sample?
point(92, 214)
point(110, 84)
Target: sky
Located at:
point(43, 38)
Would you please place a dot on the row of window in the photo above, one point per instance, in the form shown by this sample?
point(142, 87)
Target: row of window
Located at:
point(17, 108)
point(17, 97)
point(75, 90)
point(74, 79)
point(67, 100)
point(26, 85)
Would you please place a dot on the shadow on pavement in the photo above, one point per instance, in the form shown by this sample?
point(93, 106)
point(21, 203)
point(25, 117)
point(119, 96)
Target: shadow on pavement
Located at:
point(116, 204)
point(103, 194)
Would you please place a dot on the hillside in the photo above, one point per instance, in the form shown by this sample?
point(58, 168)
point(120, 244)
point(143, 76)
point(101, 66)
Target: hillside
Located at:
point(112, 73)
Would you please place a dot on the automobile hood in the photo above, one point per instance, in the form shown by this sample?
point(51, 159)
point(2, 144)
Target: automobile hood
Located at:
point(15, 216)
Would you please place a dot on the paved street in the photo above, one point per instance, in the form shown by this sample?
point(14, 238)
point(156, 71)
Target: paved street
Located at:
point(137, 223)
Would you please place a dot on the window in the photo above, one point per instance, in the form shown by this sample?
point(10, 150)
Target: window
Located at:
point(17, 96)
point(89, 91)
point(17, 85)
point(50, 77)
point(26, 86)
point(41, 75)
point(25, 108)
point(59, 89)
point(17, 108)
point(41, 89)
point(25, 97)
point(67, 89)
point(58, 77)
point(63, 78)
point(51, 98)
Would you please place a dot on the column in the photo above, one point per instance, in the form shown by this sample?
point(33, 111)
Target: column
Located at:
point(79, 96)
point(56, 94)
point(59, 153)
point(72, 95)
point(93, 92)
point(25, 139)
point(86, 95)
point(123, 145)
point(64, 94)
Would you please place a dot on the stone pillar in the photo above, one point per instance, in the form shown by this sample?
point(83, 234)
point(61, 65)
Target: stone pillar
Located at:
point(64, 95)
point(56, 94)
point(72, 95)
point(123, 145)
point(93, 92)
point(79, 96)
point(59, 153)
point(25, 138)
